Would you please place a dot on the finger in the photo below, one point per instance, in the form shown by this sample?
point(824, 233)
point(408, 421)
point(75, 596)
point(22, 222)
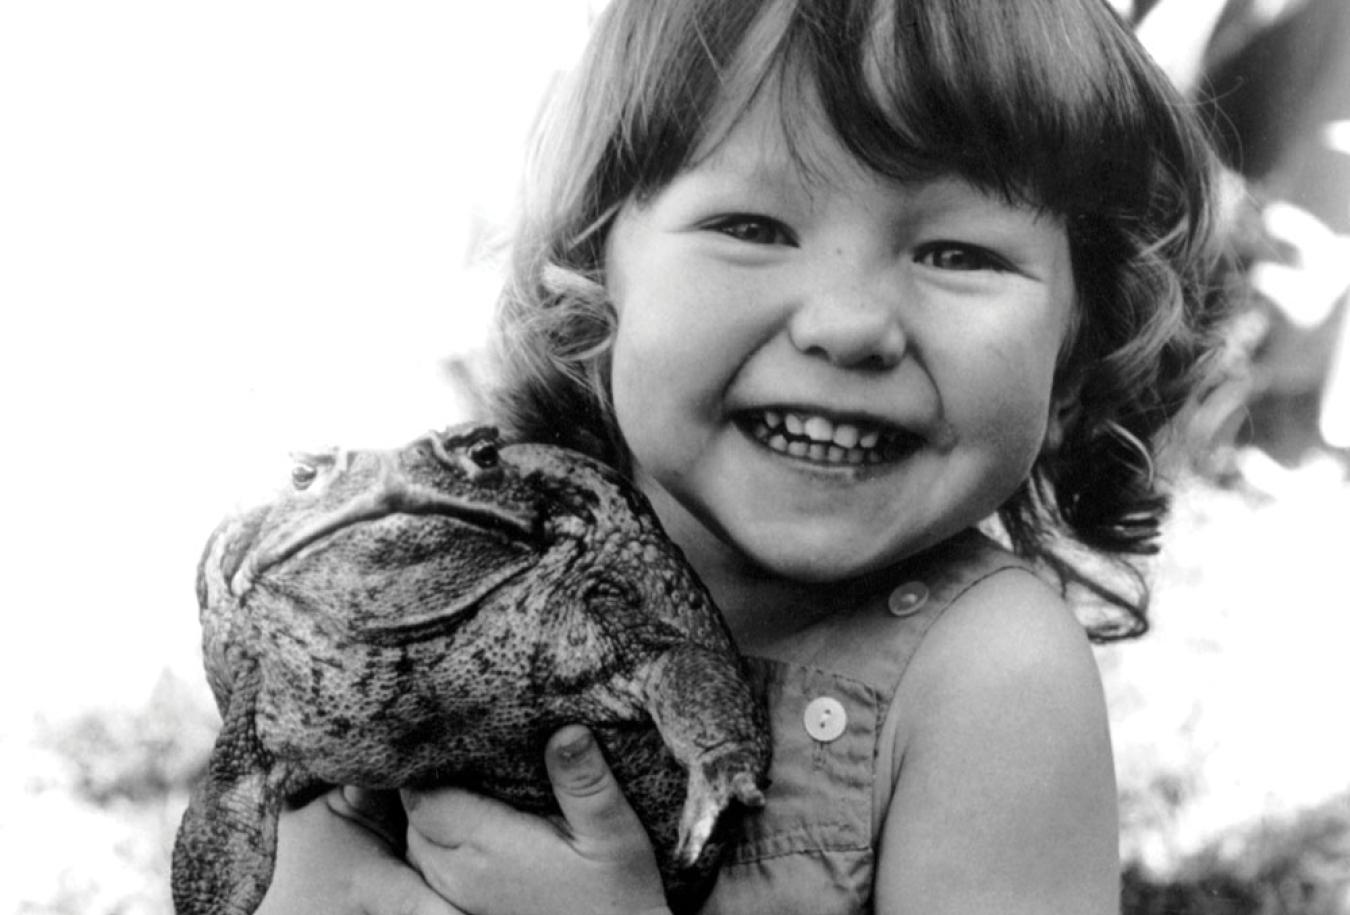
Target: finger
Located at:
point(450, 817)
point(328, 862)
point(455, 839)
point(378, 811)
point(384, 890)
point(591, 801)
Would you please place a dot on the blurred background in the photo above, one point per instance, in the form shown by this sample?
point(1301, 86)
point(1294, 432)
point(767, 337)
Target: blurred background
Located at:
point(231, 231)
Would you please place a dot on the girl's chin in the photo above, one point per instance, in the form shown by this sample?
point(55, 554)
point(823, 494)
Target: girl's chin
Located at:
point(815, 563)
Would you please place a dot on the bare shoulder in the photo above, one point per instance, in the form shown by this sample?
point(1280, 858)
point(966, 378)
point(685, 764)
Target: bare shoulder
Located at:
point(1007, 664)
point(1006, 795)
point(1010, 629)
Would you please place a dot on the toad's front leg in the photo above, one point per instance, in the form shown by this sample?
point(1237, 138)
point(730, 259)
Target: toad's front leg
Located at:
point(715, 726)
point(226, 845)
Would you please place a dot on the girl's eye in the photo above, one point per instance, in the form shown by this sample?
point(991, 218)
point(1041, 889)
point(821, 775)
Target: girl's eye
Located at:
point(755, 230)
point(950, 255)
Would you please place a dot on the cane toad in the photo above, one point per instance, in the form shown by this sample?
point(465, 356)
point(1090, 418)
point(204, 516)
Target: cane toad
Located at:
point(430, 615)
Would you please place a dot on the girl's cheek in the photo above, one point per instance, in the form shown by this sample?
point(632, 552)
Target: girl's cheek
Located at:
point(1017, 398)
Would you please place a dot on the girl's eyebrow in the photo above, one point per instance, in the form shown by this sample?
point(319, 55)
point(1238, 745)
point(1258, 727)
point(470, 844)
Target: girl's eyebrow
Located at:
point(772, 170)
point(776, 174)
point(759, 170)
point(744, 185)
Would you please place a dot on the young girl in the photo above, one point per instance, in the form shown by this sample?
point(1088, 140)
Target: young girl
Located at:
point(837, 281)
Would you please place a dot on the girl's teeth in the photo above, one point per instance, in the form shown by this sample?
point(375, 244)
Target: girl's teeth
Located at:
point(819, 429)
point(818, 438)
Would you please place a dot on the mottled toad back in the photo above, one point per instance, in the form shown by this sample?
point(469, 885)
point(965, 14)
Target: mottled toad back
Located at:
point(430, 616)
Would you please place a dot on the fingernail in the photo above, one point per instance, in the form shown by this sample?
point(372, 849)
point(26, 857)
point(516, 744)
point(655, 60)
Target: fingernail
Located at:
point(362, 801)
point(575, 748)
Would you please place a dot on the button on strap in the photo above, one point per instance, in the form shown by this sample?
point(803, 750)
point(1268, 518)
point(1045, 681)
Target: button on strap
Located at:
point(825, 718)
point(907, 599)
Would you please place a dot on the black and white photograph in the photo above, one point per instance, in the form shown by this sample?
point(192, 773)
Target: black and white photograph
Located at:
point(656, 457)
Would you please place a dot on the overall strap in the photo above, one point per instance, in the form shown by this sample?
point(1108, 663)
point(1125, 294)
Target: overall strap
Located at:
point(829, 690)
point(875, 642)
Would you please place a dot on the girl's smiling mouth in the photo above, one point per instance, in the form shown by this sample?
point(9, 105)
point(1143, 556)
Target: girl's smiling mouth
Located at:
point(820, 439)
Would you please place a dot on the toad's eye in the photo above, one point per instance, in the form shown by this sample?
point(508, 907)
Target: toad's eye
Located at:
point(484, 454)
point(951, 255)
point(753, 229)
point(307, 465)
point(302, 475)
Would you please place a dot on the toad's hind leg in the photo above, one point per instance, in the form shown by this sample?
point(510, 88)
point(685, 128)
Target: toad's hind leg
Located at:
point(716, 727)
point(226, 845)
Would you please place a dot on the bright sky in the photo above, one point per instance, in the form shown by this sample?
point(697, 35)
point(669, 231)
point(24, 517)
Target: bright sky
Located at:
point(227, 230)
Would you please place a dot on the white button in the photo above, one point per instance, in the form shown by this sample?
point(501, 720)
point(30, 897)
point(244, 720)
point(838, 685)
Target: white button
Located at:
point(825, 718)
point(907, 599)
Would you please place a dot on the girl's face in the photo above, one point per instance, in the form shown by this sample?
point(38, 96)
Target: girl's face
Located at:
point(824, 371)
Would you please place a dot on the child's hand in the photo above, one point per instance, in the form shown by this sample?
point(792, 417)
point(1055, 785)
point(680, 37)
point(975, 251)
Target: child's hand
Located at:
point(338, 855)
point(485, 857)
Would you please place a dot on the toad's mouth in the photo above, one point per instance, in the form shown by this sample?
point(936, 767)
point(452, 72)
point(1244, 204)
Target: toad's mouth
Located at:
point(394, 497)
point(826, 440)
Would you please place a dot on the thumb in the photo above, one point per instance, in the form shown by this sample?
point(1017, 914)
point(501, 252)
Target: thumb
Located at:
point(592, 802)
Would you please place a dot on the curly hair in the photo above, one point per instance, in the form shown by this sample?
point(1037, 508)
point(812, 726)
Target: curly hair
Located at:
point(1050, 103)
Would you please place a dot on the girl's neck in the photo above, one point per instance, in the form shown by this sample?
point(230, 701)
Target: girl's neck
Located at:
point(761, 608)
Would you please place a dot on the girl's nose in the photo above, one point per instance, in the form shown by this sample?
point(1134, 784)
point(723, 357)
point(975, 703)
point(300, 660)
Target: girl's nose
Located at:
point(849, 326)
